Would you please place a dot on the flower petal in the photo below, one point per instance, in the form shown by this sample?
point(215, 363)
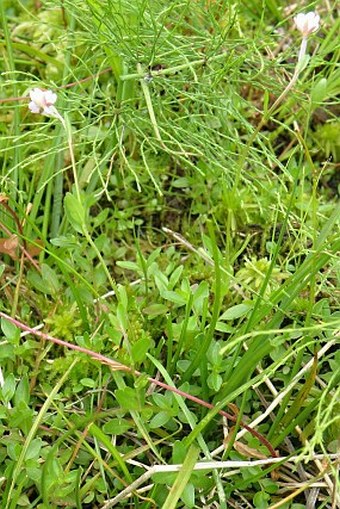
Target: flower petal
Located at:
point(50, 97)
point(37, 96)
point(33, 107)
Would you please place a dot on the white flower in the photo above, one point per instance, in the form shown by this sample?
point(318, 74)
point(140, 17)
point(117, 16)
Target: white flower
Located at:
point(42, 101)
point(307, 23)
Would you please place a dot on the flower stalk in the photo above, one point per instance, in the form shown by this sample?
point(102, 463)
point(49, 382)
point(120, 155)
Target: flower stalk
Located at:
point(42, 102)
point(306, 24)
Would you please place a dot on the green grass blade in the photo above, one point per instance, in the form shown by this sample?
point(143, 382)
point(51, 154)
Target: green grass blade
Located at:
point(182, 478)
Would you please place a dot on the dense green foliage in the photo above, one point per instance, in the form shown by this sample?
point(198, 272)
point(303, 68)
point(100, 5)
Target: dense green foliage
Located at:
point(178, 221)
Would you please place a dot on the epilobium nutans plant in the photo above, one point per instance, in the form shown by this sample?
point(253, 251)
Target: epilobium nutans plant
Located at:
point(307, 24)
point(42, 101)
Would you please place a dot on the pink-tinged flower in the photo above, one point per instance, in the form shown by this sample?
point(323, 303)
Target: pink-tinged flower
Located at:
point(307, 23)
point(42, 101)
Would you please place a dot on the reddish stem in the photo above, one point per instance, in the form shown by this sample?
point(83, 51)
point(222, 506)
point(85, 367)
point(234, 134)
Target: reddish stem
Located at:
point(121, 367)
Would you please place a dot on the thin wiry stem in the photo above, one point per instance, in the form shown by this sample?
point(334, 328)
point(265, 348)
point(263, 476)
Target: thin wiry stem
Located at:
point(266, 116)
